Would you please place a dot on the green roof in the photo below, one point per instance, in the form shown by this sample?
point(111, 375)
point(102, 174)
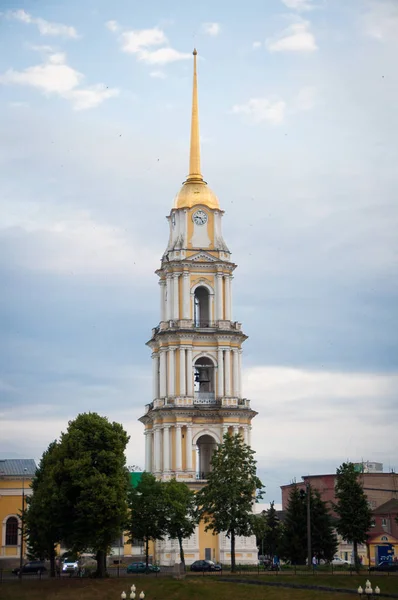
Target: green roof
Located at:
point(135, 478)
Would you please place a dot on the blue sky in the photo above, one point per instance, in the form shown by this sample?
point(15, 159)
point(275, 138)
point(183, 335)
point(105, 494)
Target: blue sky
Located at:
point(299, 126)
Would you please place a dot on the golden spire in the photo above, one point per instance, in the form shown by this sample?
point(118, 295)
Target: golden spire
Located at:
point(194, 158)
point(195, 190)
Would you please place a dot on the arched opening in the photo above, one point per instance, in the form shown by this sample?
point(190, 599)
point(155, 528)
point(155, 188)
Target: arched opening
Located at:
point(204, 381)
point(205, 445)
point(201, 307)
point(12, 531)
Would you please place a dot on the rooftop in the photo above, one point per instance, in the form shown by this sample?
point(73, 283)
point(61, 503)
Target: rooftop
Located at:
point(18, 467)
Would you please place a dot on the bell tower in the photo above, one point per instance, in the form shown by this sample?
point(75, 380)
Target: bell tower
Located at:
point(196, 350)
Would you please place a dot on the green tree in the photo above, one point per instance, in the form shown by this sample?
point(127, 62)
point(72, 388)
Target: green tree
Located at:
point(323, 537)
point(294, 537)
point(181, 512)
point(259, 527)
point(42, 518)
point(93, 484)
point(226, 502)
point(272, 534)
point(148, 519)
point(352, 508)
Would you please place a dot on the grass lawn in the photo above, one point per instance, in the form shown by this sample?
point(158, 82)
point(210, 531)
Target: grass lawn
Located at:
point(191, 588)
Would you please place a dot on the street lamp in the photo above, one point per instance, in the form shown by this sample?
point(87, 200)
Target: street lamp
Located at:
point(307, 495)
point(22, 523)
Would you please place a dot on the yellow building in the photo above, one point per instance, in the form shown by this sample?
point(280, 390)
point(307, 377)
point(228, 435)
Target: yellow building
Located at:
point(196, 355)
point(15, 478)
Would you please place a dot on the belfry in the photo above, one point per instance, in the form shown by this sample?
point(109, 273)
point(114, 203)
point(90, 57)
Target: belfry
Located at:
point(196, 354)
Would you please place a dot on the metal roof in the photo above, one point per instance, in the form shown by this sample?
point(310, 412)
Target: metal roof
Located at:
point(17, 467)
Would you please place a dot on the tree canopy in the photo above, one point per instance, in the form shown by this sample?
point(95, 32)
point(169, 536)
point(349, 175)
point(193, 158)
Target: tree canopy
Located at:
point(354, 516)
point(147, 519)
point(226, 502)
point(181, 512)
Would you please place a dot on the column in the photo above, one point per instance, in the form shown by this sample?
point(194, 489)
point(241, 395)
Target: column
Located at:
point(227, 367)
point(189, 373)
point(148, 450)
point(186, 296)
point(219, 296)
point(162, 374)
point(162, 284)
point(166, 448)
point(171, 373)
point(178, 448)
point(169, 305)
point(157, 461)
point(235, 371)
point(183, 389)
point(176, 297)
point(188, 443)
point(220, 373)
point(240, 373)
point(227, 315)
point(236, 429)
point(249, 435)
point(155, 376)
point(224, 429)
point(246, 434)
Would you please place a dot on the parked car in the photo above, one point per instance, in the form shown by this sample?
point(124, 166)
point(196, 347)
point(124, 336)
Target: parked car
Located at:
point(385, 566)
point(339, 562)
point(34, 566)
point(70, 566)
point(140, 567)
point(205, 565)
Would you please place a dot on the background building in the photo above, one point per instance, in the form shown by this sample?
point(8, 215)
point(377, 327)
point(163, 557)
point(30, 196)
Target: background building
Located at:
point(380, 488)
point(15, 478)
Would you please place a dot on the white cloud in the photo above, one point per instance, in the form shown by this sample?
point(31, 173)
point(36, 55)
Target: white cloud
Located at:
point(306, 99)
point(112, 26)
point(295, 38)
point(262, 109)
point(163, 56)
point(381, 20)
point(299, 5)
point(327, 404)
point(158, 74)
point(56, 77)
point(45, 27)
point(141, 43)
point(256, 45)
point(212, 29)
point(64, 240)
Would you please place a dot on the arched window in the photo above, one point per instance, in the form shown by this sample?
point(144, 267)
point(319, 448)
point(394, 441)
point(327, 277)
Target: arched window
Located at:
point(202, 307)
point(206, 445)
point(12, 531)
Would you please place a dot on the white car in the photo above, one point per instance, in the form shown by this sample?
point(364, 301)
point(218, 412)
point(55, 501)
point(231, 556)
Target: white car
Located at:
point(337, 561)
point(70, 566)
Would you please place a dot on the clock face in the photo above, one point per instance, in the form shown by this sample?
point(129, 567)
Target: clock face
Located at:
point(199, 217)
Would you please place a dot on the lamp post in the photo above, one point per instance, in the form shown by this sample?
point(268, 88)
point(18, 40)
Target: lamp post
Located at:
point(22, 524)
point(307, 495)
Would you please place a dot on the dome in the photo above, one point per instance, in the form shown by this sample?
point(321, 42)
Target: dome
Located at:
point(193, 193)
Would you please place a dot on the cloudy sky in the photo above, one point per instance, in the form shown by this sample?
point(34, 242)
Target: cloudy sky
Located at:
point(299, 124)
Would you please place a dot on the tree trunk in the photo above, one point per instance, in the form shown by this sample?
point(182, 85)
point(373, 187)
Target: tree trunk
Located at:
point(233, 566)
point(182, 557)
point(146, 552)
point(101, 563)
point(356, 559)
point(52, 562)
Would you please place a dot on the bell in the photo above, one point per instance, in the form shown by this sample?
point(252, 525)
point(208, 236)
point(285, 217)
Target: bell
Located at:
point(203, 376)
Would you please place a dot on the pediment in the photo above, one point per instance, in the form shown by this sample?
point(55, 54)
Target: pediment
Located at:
point(202, 257)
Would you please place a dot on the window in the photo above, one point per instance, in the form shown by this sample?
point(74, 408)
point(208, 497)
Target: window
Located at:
point(384, 522)
point(12, 531)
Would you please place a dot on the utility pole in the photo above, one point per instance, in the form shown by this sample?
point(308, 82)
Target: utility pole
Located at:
point(309, 553)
